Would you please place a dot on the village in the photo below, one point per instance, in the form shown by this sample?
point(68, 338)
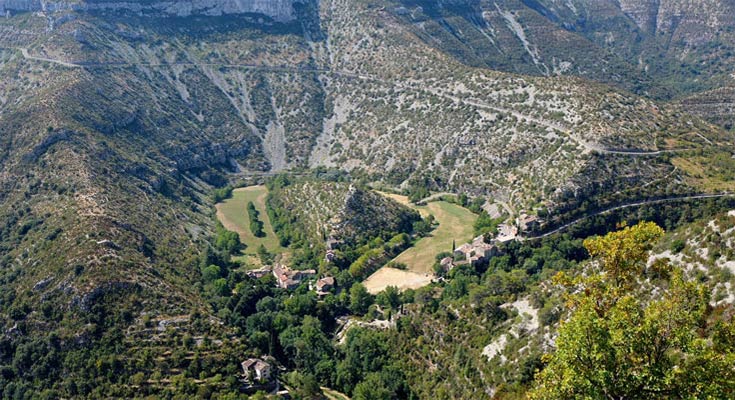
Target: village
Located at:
point(290, 279)
point(477, 252)
point(261, 373)
point(481, 249)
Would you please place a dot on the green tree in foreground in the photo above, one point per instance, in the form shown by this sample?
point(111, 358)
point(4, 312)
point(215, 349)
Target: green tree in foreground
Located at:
point(618, 344)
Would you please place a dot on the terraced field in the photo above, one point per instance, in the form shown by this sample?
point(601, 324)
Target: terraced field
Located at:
point(232, 213)
point(455, 224)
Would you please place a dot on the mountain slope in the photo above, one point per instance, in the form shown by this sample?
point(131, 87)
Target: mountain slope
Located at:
point(114, 127)
point(662, 48)
point(146, 108)
point(474, 130)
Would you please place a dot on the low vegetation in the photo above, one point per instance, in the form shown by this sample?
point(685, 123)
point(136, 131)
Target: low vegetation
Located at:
point(619, 344)
point(256, 225)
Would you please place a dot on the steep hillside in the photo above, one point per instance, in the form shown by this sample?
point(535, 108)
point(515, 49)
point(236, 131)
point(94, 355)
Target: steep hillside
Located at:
point(484, 335)
point(525, 37)
point(519, 139)
point(279, 10)
point(662, 48)
point(118, 117)
point(103, 222)
point(116, 123)
point(716, 106)
point(363, 93)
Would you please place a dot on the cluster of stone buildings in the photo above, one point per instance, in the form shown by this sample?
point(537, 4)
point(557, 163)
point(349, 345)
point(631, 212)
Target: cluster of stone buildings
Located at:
point(478, 251)
point(287, 278)
point(474, 253)
point(524, 223)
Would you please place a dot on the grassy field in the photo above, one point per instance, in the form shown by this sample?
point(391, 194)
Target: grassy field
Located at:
point(455, 224)
point(232, 213)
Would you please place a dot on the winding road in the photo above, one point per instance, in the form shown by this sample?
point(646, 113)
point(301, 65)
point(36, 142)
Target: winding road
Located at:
point(558, 127)
point(27, 56)
point(630, 205)
point(592, 147)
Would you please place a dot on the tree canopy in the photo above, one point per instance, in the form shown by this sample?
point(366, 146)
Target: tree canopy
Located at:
point(620, 344)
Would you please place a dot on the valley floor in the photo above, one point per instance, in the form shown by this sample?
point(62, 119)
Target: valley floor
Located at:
point(232, 213)
point(455, 226)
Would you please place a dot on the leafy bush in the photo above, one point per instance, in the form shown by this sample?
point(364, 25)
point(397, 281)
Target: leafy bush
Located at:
point(677, 246)
point(221, 194)
point(256, 225)
point(227, 241)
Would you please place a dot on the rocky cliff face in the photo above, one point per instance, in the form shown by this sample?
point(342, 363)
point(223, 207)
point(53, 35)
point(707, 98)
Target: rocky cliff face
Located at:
point(659, 48)
point(644, 13)
point(692, 22)
point(279, 10)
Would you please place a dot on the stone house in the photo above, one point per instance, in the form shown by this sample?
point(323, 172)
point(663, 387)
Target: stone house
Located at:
point(528, 223)
point(256, 370)
point(476, 252)
point(287, 278)
point(323, 286)
point(447, 263)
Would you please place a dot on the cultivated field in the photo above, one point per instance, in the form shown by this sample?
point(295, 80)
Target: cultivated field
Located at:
point(455, 224)
point(232, 213)
point(387, 276)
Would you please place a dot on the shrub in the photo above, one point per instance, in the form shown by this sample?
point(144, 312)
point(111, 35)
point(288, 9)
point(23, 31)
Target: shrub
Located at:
point(677, 246)
point(256, 225)
point(221, 194)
